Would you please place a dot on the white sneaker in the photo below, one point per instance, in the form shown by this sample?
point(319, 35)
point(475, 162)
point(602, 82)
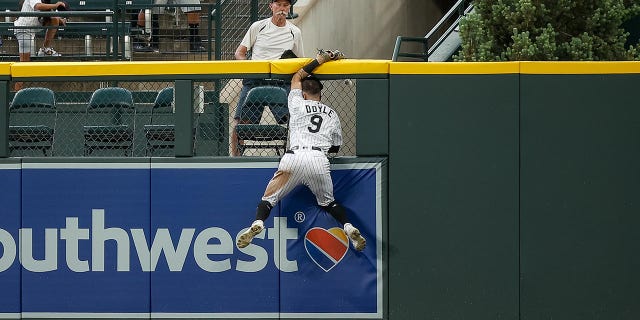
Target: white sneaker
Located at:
point(48, 52)
point(246, 237)
point(357, 240)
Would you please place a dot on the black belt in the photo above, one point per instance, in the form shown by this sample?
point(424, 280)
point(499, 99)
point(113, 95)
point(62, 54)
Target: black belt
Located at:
point(302, 148)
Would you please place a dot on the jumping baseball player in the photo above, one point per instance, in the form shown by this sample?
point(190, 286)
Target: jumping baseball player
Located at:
point(314, 131)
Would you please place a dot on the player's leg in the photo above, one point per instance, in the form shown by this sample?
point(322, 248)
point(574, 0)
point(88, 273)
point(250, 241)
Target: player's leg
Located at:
point(321, 185)
point(357, 240)
point(277, 188)
point(282, 182)
point(262, 212)
point(337, 211)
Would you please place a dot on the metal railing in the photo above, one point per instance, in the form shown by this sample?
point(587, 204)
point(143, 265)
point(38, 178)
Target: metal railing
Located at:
point(444, 28)
point(223, 23)
point(105, 26)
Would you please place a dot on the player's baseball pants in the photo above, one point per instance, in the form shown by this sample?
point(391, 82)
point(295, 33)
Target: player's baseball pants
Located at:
point(307, 167)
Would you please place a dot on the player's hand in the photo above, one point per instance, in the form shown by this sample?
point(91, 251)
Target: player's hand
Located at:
point(327, 55)
point(322, 56)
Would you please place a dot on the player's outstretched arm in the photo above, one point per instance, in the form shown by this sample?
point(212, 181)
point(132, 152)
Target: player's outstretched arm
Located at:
point(296, 81)
point(322, 57)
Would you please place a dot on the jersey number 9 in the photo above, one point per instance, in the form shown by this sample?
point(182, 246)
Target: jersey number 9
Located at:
point(316, 122)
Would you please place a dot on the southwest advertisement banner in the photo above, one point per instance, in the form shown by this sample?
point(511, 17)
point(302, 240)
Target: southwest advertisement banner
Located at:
point(157, 240)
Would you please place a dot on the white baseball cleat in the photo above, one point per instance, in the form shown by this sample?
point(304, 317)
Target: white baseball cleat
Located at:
point(357, 239)
point(246, 237)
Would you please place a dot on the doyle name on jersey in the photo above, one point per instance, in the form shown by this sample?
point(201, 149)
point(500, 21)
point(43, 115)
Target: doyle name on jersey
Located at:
point(312, 109)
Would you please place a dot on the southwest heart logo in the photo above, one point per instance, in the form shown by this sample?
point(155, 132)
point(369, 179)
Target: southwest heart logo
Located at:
point(326, 247)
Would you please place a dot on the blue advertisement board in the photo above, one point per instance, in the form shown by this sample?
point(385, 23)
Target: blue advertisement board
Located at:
point(158, 240)
point(78, 255)
point(9, 246)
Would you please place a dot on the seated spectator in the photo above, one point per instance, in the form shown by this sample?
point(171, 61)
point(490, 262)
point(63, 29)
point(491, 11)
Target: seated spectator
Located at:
point(26, 36)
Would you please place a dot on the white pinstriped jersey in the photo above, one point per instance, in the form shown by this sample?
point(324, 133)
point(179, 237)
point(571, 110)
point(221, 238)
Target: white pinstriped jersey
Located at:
point(312, 123)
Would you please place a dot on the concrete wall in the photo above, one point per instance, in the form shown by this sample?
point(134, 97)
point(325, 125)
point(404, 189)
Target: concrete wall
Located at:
point(364, 29)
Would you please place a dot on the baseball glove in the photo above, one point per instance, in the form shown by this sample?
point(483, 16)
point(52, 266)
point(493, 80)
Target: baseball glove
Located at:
point(331, 54)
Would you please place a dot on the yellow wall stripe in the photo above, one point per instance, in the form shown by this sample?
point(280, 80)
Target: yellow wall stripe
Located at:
point(454, 67)
point(289, 66)
point(580, 67)
point(74, 69)
point(5, 69)
point(346, 66)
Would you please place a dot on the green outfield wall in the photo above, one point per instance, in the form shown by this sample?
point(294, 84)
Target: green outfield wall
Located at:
point(513, 191)
point(579, 192)
point(454, 171)
point(513, 188)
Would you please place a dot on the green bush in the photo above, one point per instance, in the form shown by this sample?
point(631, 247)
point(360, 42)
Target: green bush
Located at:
point(548, 30)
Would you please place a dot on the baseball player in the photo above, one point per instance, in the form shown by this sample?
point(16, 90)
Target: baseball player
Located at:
point(314, 131)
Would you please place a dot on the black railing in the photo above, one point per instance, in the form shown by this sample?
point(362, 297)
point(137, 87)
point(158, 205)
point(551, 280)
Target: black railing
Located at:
point(443, 29)
point(223, 24)
point(108, 27)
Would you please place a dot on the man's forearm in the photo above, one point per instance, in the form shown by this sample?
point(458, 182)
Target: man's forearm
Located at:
point(241, 53)
point(296, 80)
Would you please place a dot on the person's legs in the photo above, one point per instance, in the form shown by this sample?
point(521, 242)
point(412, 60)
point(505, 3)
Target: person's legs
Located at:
point(155, 32)
point(337, 211)
point(25, 44)
point(193, 20)
point(262, 213)
point(233, 138)
point(247, 84)
point(51, 32)
point(25, 48)
point(282, 182)
point(195, 42)
point(47, 49)
point(321, 185)
point(155, 24)
point(139, 40)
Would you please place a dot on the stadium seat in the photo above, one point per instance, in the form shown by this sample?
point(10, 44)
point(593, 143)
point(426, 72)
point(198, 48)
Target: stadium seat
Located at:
point(263, 136)
point(33, 120)
point(160, 132)
point(110, 121)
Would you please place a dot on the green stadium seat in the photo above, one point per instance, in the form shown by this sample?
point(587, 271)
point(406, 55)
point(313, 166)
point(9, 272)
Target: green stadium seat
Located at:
point(160, 132)
point(109, 121)
point(32, 118)
point(263, 136)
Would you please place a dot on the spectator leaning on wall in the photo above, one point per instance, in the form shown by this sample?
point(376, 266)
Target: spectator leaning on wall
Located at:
point(268, 39)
